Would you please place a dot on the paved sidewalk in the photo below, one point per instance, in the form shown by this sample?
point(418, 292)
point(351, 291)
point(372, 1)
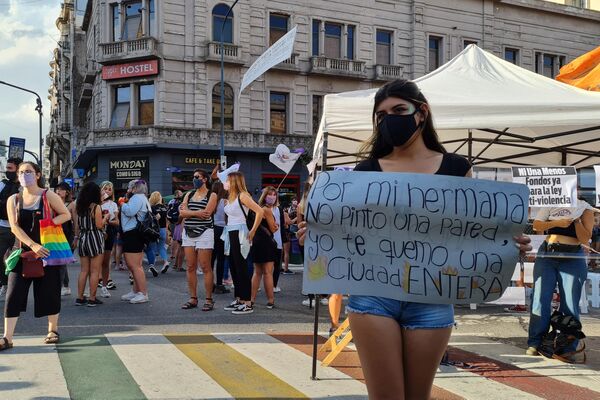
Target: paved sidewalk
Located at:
point(262, 366)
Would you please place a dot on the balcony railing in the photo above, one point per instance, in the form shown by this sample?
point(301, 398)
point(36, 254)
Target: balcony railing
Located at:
point(127, 50)
point(199, 137)
point(336, 66)
point(289, 64)
point(231, 52)
point(388, 72)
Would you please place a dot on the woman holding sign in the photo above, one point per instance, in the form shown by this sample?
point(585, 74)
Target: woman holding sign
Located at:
point(401, 343)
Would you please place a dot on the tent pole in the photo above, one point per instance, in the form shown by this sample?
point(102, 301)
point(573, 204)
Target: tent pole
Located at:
point(317, 300)
point(563, 159)
point(470, 152)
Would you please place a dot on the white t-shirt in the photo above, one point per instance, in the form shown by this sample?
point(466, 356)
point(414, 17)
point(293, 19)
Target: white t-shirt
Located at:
point(557, 213)
point(110, 207)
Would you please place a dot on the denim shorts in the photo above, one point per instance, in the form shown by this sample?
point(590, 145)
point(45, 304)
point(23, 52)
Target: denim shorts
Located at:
point(408, 315)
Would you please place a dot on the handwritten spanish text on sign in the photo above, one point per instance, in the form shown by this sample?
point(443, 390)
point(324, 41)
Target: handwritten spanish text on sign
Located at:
point(413, 237)
point(548, 186)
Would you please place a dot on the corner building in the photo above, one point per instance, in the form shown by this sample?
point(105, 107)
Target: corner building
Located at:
point(149, 103)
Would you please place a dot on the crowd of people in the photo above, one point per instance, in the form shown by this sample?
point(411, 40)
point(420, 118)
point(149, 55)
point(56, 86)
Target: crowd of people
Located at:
point(218, 227)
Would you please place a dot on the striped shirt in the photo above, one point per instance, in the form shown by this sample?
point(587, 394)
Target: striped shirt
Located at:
point(195, 226)
point(91, 239)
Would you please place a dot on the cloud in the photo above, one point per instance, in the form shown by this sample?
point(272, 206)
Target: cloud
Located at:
point(27, 39)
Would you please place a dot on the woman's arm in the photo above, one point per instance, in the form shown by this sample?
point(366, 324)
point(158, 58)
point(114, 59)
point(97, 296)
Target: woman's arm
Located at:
point(210, 207)
point(541, 226)
point(98, 218)
point(11, 208)
point(270, 219)
point(56, 204)
point(251, 204)
point(584, 226)
point(286, 219)
point(184, 211)
point(115, 220)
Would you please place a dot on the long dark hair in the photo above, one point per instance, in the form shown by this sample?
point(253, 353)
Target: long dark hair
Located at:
point(218, 188)
point(376, 147)
point(88, 195)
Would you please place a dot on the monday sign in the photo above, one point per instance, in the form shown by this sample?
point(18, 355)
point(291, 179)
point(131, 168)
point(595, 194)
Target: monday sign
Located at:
point(412, 237)
point(548, 186)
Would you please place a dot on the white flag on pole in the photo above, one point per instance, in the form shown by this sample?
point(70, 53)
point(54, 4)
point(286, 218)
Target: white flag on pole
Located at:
point(279, 52)
point(283, 158)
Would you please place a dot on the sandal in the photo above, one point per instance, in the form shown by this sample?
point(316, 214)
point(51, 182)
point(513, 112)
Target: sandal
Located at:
point(189, 305)
point(5, 345)
point(209, 305)
point(52, 338)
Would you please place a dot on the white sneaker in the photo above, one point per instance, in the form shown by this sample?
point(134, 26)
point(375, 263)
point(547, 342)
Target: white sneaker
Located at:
point(65, 291)
point(276, 289)
point(243, 309)
point(104, 292)
point(128, 296)
point(199, 272)
point(307, 302)
point(324, 301)
point(139, 298)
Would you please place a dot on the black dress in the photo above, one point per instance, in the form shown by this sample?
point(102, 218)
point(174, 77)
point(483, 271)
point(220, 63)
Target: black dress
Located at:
point(264, 247)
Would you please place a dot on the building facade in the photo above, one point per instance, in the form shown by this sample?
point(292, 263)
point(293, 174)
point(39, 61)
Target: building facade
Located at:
point(148, 101)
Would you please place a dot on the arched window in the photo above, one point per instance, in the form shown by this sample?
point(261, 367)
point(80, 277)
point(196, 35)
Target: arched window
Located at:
point(219, 13)
point(216, 107)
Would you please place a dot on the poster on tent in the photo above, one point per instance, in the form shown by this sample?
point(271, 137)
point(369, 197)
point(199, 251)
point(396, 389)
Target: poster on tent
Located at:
point(597, 173)
point(421, 238)
point(548, 186)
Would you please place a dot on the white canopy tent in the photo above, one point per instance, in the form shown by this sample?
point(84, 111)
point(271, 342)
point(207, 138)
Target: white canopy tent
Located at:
point(493, 112)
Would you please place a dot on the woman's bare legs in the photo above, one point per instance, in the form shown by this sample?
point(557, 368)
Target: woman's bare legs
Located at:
point(134, 263)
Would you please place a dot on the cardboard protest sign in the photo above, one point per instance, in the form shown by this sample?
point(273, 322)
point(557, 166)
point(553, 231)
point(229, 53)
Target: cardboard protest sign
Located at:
point(548, 186)
point(413, 237)
point(597, 173)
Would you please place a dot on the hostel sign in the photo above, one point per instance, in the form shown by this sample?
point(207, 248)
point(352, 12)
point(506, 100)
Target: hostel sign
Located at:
point(130, 70)
point(121, 171)
point(421, 238)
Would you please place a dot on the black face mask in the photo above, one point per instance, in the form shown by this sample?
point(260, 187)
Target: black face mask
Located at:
point(397, 130)
point(11, 176)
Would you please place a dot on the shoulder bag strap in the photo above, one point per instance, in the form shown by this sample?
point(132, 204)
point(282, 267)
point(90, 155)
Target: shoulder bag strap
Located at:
point(242, 207)
point(47, 211)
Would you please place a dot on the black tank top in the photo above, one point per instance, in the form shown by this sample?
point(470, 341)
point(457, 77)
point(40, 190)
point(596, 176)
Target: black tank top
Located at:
point(29, 221)
point(452, 164)
point(568, 231)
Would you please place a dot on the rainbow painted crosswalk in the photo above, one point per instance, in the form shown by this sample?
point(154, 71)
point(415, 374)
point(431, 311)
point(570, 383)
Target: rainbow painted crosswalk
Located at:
point(262, 366)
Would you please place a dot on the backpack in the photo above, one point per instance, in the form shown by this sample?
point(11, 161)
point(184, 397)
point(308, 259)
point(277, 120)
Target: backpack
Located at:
point(556, 344)
point(173, 211)
point(148, 227)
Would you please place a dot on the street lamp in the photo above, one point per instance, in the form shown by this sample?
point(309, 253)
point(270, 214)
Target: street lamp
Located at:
point(223, 162)
point(38, 108)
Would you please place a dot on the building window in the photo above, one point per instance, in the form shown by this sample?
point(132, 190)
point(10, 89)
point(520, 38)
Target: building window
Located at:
point(435, 53)
point(467, 43)
point(132, 26)
point(146, 104)
point(333, 40)
point(350, 43)
point(548, 64)
point(511, 55)
point(317, 112)
point(278, 27)
point(384, 47)
point(152, 18)
point(279, 104)
point(219, 13)
point(116, 22)
point(120, 114)
point(216, 105)
point(316, 33)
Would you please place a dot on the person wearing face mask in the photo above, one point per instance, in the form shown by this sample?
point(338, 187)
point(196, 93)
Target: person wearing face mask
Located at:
point(25, 211)
point(197, 211)
point(400, 344)
point(159, 210)
point(264, 246)
point(292, 220)
point(110, 209)
point(8, 187)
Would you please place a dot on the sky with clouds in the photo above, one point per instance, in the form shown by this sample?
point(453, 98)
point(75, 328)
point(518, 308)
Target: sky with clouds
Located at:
point(28, 36)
